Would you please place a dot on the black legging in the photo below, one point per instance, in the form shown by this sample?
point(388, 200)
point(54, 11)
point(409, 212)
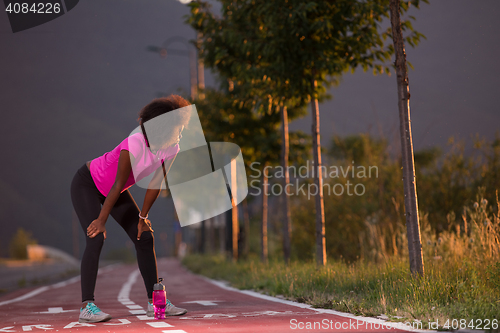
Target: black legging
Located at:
point(87, 201)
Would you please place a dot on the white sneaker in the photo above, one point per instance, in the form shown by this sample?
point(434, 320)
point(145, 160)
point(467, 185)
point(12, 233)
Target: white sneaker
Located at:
point(151, 310)
point(92, 314)
point(170, 310)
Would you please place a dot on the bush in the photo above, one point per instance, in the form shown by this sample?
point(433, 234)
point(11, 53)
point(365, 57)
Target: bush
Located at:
point(18, 244)
point(372, 226)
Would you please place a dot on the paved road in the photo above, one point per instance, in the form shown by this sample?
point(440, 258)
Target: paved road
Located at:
point(16, 274)
point(212, 307)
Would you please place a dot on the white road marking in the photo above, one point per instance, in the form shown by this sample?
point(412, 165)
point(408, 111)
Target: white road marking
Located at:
point(269, 313)
point(174, 331)
point(54, 286)
point(144, 317)
point(77, 324)
point(127, 302)
point(26, 296)
point(246, 314)
point(40, 327)
point(158, 324)
point(65, 283)
point(7, 329)
point(55, 310)
point(206, 303)
point(306, 306)
point(210, 316)
point(108, 268)
point(124, 293)
point(121, 322)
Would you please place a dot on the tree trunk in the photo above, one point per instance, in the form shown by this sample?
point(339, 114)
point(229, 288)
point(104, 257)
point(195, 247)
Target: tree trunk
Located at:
point(234, 215)
point(202, 236)
point(201, 69)
point(318, 180)
point(193, 79)
point(229, 233)
point(411, 204)
point(222, 233)
point(210, 236)
point(263, 229)
point(287, 221)
point(246, 219)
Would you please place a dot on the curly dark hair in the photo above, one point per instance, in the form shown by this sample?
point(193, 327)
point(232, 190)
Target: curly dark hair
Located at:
point(170, 131)
point(163, 105)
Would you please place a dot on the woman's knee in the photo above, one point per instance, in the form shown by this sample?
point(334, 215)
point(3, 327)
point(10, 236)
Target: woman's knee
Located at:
point(97, 242)
point(146, 240)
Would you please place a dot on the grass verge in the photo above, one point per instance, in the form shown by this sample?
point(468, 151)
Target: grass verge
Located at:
point(466, 291)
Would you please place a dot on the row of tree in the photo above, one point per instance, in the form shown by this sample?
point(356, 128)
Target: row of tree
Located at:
point(274, 58)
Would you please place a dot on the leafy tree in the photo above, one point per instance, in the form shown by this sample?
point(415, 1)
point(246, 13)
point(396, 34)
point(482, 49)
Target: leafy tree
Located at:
point(293, 51)
point(260, 92)
point(372, 226)
point(226, 116)
point(448, 182)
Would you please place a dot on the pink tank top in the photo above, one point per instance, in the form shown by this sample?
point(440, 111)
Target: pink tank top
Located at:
point(104, 168)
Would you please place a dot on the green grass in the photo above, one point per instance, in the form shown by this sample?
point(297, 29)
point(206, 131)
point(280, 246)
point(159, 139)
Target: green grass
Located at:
point(449, 289)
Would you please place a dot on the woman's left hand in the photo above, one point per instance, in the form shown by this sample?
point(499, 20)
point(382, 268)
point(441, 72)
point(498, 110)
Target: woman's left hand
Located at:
point(143, 226)
point(96, 227)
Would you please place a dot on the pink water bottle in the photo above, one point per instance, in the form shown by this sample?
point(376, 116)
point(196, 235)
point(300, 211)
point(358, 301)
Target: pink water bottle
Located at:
point(159, 299)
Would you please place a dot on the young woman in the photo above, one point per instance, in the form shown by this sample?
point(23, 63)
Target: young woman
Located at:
point(105, 181)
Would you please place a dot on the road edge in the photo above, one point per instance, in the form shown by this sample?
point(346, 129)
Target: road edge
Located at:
point(56, 285)
point(376, 321)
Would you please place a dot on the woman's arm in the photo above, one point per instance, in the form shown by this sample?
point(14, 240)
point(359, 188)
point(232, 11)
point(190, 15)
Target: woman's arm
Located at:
point(122, 174)
point(154, 186)
point(152, 194)
point(145, 224)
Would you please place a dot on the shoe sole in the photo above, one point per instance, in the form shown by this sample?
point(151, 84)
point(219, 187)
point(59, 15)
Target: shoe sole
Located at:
point(167, 315)
point(83, 320)
point(176, 314)
point(152, 314)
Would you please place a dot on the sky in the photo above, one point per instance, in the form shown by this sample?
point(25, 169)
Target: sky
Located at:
point(71, 90)
point(453, 85)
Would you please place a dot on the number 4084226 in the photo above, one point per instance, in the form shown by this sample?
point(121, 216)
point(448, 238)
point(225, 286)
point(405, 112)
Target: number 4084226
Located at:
point(36, 8)
point(478, 324)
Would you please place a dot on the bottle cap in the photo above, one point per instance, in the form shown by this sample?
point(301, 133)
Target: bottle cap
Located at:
point(159, 285)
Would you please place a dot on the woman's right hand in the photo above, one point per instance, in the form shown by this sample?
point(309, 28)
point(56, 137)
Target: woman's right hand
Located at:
point(95, 228)
point(144, 225)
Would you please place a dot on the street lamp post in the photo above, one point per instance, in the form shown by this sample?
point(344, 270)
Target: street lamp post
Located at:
point(201, 69)
point(164, 50)
point(196, 81)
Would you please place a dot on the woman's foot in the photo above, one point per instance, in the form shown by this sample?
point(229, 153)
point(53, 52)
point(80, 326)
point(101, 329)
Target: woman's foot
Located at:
point(92, 314)
point(170, 310)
